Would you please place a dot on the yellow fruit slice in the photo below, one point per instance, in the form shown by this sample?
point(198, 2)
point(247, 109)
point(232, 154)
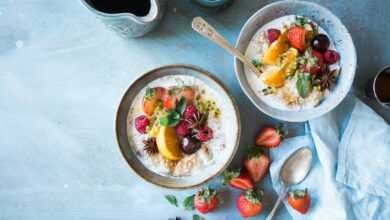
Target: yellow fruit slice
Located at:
point(273, 76)
point(275, 50)
point(168, 143)
point(154, 130)
point(289, 62)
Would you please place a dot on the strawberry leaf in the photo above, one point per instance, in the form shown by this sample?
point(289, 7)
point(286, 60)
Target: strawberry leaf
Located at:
point(253, 196)
point(255, 152)
point(171, 199)
point(188, 202)
point(197, 217)
point(229, 175)
point(297, 194)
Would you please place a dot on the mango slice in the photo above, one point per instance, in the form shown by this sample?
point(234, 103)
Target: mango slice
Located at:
point(277, 48)
point(273, 77)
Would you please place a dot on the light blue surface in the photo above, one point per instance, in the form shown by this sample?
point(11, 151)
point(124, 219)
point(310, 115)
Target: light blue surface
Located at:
point(62, 74)
point(349, 175)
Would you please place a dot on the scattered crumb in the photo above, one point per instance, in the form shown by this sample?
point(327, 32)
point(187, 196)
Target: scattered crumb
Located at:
point(19, 44)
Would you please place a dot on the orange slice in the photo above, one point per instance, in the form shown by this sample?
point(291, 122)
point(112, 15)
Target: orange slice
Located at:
point(277, 48)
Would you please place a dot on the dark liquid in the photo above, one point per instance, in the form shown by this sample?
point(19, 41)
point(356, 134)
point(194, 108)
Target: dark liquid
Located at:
point(382, 86)
point(136, 7)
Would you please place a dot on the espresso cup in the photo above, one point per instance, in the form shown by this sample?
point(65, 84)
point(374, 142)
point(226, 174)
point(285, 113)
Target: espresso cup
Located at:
point(378, 88)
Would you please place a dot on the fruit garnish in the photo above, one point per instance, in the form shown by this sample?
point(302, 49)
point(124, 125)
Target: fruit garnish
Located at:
point(273, 76)
point(328, 78)
point(204, 134)
point(314, 61)
point(141, 123)
point(289, 62)
point(173, 117)
point(169, 101)
point(257, 164)
point(190, 112)
point(150, 146)
point(190, 145)
point(257, 63)
point(188, 93)
point(299, 200)
point(320, 43)
point(272, 35)
point(296, 38)
point(270, 137)
point(277, 48)
point(197, 121)
point(168, 143)
point(238, 179)
point(206, 200)
point(249, 203)
point(182, 129)
point(331, 56)
point(304, 84)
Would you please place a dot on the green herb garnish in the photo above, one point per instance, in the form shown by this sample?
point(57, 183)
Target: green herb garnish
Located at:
point(171, 199)
point(257, 63)
point(197, 217)
point(149, 93)
point(301, 21)
point(188, 202)
point(267, 90)
point(304, 84)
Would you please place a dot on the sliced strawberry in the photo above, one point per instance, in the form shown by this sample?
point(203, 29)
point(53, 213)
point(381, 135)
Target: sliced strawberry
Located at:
point(237, 179)
point(188, 93)
point(269, 137)
point(315, 62)
point(169, 101)
point(257, 164)
point(206, 200)
point(250, 203)
point(299, 200)
point(296, 38)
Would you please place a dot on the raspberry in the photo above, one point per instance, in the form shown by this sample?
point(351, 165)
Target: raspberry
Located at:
point(204, 134)
point(273, 34)
point(182, 129)
point(141, 122)
point(190, 111)
point(331, 56)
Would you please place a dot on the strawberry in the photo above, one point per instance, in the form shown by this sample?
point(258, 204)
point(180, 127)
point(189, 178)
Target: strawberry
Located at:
point(188, 93)
point(257, 164)
point(151, 99)
point(299, 200)
point(237, 179)
point(169, 101)
point(250, 203)
point(270, 137)
point(314, 63)
point(206, 200)
point(273, 35)
point(296, 38)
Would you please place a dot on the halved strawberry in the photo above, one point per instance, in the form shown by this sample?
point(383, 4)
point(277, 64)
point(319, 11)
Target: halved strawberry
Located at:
point(314, 63)
point(169, 101)
point(206, 200)
point(257, 164)
point(250, 203)
point(238, 179)
point(296, 38)
point(270, 137)
point(299, 200)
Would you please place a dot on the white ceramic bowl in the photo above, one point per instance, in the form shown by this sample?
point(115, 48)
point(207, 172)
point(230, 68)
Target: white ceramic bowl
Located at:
point(338, 34)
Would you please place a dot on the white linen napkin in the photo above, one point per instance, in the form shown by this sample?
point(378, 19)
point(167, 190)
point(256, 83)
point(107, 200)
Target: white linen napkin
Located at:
point(350, 179)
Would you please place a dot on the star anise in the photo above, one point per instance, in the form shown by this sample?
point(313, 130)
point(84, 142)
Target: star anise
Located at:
point(150, 146)
point(328, 78)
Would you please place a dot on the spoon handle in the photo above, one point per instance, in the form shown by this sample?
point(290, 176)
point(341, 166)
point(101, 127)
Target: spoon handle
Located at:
point(206, 30)
point(280, 198)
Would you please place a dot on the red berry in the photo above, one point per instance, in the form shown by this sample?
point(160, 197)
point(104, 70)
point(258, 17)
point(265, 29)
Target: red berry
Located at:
point(182, 129)
point(314, 69)
point(331, 56)
point(190, 111)
point(273, 34)
point(141, 122)
point(204, 134)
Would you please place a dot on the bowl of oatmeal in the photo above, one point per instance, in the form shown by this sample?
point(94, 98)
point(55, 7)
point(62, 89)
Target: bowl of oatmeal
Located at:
point(177, 126)
point(306, 58)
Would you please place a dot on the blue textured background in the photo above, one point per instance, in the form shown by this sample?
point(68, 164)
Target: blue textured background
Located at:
point(62, 74)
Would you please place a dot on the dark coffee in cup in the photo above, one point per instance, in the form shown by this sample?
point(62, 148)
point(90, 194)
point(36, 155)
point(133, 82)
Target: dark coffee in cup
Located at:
point(378, 88)
point(136, 7)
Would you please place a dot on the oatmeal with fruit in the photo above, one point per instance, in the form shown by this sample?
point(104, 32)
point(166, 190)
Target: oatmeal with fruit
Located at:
point(297, 61)
point(176, 125)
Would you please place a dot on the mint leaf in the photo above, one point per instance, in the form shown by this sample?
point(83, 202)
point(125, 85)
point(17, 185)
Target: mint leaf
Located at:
point(171, 199)
point(188, 202)
point(181, 106)
point(304, 84)
point(197, 217)
point(170, 120)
